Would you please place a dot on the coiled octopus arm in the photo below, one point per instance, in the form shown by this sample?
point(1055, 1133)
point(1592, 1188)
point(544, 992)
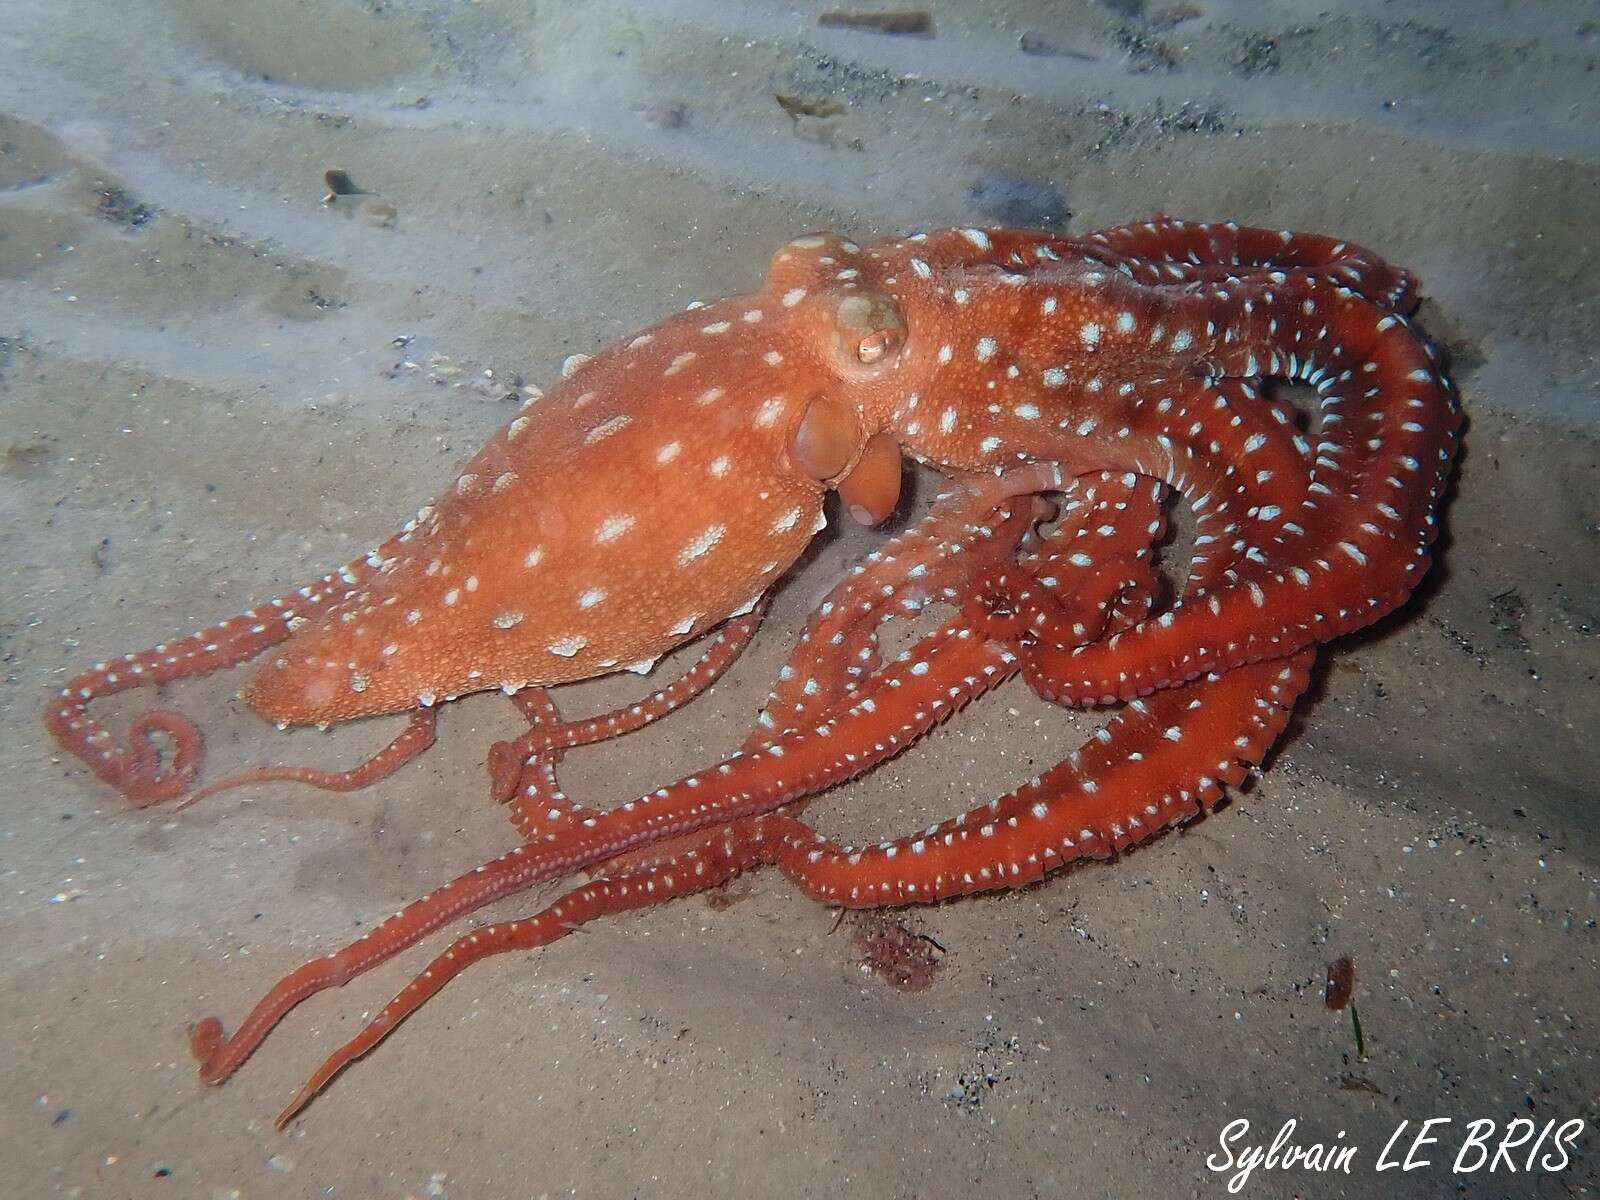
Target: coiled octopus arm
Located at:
point(136, 769)
point(1350, 549)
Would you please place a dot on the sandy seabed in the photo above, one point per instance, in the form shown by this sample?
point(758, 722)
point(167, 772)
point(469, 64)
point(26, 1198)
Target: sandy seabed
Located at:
point(214, 385)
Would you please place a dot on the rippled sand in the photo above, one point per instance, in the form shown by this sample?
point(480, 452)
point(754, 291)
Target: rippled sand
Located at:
point(213, 385)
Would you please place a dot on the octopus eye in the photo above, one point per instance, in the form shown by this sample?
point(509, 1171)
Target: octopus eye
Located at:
point(875, 346)
point(870, 329)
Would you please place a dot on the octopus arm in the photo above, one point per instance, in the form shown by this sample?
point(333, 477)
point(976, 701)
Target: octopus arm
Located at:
point(1164, 251)
point(1359, 541)
point(696, 871)
point(549, 736)
point(1156, 766)
point(136, 769)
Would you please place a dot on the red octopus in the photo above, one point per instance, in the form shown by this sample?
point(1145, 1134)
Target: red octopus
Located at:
point(1066, 386)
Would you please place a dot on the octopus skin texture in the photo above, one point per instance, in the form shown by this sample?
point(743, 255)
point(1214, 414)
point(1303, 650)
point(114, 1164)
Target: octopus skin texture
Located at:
point(1068, 388)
